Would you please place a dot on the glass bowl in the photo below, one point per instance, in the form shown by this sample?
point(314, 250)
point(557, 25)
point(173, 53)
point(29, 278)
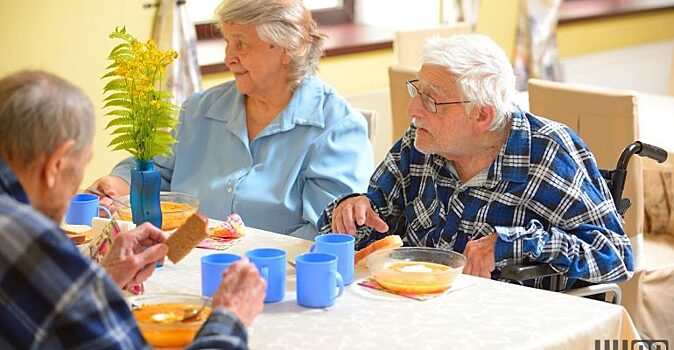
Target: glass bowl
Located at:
point(416, 270)
point(159, 317)
point(176, 207)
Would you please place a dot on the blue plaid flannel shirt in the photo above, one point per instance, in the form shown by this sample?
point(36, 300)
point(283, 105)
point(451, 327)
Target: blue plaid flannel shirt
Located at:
point(543, 195)
point(52, 297)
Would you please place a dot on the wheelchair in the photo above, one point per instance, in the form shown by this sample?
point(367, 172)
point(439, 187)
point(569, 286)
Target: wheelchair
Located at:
point(615, 179)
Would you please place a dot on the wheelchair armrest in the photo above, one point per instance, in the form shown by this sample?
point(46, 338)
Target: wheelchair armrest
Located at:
point(527, 271)
point(611, 289)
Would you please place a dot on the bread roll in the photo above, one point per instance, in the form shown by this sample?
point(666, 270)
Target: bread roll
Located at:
point(388, 242)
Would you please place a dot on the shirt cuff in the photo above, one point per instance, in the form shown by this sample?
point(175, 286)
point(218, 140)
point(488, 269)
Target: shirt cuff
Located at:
point(223, 322)
point(509, 243)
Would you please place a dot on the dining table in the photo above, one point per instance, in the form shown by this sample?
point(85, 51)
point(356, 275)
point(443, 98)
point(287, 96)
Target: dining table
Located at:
point(476, 313)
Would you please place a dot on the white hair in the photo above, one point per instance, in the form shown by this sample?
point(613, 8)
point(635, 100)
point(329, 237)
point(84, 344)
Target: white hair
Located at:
point(283, 23)
point(38, 112)
point(482, 70)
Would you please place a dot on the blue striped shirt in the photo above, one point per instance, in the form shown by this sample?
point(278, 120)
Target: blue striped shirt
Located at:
point(52, 297)
point(543, 195)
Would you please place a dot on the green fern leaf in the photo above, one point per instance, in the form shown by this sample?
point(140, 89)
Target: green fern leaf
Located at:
point(118, 103)
point(121, 139)
point(120, 122)
point(117, 96)
point(115, 85)
point(119, 112)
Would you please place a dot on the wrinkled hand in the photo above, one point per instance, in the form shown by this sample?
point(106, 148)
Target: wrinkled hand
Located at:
point(353, 212)
point(132, 256)
point(242, 290)
point(480, 256)
point(113, 186)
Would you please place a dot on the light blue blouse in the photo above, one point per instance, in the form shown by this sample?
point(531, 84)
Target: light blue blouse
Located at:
point(314, 151)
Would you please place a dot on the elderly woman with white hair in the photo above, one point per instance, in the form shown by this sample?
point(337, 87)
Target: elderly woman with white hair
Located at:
point(276, 145)
point(477, 175)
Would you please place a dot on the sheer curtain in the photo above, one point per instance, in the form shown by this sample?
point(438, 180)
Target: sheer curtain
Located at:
point(173, 29)
point(454, 11)
point(536, 53)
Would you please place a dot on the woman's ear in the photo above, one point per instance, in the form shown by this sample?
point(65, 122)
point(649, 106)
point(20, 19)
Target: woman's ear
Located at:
point(285, 59)
point(55, 162)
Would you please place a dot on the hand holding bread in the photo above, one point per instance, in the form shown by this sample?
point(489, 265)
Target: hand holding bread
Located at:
point(132, 255)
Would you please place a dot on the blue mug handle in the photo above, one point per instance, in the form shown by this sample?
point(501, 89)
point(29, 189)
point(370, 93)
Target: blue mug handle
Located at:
point(313, 246)
point(340, 283)
point(106, 210)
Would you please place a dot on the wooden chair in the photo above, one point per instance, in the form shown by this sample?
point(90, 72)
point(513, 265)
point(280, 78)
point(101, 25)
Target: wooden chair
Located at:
point(607, 120)
point(400, 98)
point(371, 117)
point(671, 76)
point(408, 43)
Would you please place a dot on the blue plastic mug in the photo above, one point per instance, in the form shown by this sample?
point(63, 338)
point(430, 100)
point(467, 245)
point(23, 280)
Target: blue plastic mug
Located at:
point(212, 268)
point(271, 263)
point(318, 282)
point(340, 245)
point(84, 207)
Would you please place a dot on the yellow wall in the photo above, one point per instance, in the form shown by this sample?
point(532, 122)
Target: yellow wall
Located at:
point(604, 34)
point(69, 38)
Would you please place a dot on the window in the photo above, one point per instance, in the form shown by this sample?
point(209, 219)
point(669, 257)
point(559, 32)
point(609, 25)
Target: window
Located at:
point(325, 12)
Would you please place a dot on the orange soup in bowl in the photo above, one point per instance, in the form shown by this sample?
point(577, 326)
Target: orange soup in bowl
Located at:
point(173, 215)
point(162, 325)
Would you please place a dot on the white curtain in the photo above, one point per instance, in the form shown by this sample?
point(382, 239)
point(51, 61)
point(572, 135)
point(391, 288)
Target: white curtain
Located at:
point(454, 11)
point(536, 53)
point(173, 30)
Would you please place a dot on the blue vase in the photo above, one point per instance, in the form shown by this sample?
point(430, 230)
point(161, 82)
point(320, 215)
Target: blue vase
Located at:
point(145, 187)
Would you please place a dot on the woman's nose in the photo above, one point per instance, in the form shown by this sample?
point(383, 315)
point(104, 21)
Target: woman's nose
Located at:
point(230, 55)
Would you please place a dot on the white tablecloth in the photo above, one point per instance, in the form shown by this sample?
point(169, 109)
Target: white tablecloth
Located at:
point(484, 315)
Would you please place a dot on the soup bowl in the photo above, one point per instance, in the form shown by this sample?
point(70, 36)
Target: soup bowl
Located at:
point(161, 317)
point(417, 270)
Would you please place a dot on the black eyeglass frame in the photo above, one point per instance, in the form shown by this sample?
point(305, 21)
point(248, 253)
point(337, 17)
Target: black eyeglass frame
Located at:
point(426, 100)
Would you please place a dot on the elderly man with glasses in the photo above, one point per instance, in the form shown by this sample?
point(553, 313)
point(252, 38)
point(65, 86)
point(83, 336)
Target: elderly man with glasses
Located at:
point(477, 175)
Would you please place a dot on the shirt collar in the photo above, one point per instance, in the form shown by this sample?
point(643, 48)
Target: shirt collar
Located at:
point(10, 185)
point(304, 108)
point(512, 162)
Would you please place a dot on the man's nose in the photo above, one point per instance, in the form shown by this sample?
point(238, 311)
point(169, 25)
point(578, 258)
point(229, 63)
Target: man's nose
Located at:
point(415, 108)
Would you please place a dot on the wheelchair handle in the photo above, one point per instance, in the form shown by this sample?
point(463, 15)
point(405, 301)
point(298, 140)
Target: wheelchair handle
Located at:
point(653, 152)
point(643, 150)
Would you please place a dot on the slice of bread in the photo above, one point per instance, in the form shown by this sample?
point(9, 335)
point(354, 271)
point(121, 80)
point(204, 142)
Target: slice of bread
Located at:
point(388, 242)
point(78, 233)
point(187, 236)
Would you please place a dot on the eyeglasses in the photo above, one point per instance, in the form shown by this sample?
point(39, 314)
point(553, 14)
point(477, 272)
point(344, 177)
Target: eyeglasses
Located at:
point(427, 101)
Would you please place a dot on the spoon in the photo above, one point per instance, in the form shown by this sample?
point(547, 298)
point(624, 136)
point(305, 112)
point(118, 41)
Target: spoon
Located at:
point(191, 314)
point(101, 194)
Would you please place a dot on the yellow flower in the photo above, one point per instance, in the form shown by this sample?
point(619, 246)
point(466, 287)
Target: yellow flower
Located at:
point(137, 72)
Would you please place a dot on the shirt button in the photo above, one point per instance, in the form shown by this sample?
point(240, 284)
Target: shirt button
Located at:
point(229, 189)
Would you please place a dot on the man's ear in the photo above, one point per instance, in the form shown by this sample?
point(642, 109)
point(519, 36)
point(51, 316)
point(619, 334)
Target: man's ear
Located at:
point(485, 117)
point(55, 162)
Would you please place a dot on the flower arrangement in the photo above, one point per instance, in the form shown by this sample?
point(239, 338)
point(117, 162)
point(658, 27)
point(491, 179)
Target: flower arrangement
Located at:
point(142, 113)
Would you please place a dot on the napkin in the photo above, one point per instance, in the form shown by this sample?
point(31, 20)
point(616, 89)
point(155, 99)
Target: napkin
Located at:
point(216, 243)
point(459, 283)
